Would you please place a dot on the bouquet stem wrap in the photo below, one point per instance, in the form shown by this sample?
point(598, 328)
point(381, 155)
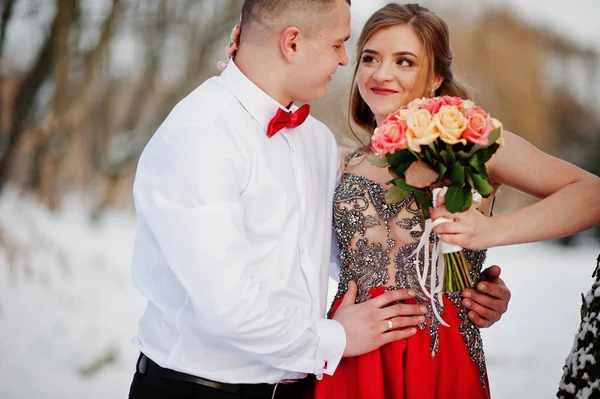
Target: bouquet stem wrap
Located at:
point(447, 267)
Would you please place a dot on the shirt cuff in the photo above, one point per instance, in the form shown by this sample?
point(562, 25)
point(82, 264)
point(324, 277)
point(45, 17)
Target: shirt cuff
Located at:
point(332, 342)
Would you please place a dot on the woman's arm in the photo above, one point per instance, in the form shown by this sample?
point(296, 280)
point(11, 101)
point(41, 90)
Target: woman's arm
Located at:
point(570, 200)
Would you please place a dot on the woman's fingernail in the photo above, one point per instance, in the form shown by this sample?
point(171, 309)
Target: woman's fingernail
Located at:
point(412, 292)
point(482, 287)
point(423, 308)
point(413, 330)
point(467, 294)
point(421, 318)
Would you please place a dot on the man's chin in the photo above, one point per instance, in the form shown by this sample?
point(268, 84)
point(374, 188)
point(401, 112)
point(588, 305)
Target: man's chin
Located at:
point(315, 95)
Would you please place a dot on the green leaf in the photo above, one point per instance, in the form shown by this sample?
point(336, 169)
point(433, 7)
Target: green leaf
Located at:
point(404, 185)
point(482, 185)
point(456, 173)
point(485, 154)
point(441, 169)
point(402, 168)
point(494, 135)
point(463, 154)
point(468, 201)
point(455, 198)
point(434, 150)
point(422, 199)
point(400, 157)
point(395, 195)
point(426, 204)
point(374, 159)
point(492, 138)
point(422, 218)
point(468, 178)
point(474, 160)
point(450, 152)
point(445, 157)
point(394, 174)
point(428, 156)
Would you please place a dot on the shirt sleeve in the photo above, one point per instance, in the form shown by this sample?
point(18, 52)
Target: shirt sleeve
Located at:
point(188, 190)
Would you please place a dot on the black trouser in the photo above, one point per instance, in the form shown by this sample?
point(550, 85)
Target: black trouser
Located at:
point(148, 386)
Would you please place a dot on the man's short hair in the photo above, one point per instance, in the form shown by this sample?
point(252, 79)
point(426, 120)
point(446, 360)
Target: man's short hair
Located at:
point(259, 16)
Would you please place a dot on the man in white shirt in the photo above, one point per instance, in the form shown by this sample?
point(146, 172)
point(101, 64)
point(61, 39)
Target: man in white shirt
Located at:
point(234, 201)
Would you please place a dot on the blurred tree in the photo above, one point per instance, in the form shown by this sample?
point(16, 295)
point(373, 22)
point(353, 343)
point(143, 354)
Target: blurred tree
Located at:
point(7, 10)
point(98, 119)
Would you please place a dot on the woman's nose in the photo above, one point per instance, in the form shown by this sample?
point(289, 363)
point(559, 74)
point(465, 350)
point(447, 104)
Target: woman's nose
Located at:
point(383, 73)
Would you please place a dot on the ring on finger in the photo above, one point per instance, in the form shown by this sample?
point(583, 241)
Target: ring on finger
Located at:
point(390, 324)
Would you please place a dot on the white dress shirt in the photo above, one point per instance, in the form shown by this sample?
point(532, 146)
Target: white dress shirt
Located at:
point(233, 239)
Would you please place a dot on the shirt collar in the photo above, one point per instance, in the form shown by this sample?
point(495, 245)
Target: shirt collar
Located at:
point(259, 104)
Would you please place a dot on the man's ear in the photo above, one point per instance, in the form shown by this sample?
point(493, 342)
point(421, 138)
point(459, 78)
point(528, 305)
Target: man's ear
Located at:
point(289, 43)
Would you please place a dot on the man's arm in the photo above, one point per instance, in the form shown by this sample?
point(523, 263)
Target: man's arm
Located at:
point(187, 191)
point(489, 301)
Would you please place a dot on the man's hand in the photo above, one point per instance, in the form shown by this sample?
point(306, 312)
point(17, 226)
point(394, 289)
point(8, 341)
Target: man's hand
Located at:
point(373, 323)
point(490, 301)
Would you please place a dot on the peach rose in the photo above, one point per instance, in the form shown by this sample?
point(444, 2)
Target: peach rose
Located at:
point(466, 105)
point(451, 123)
point(421, 129)
point(414, 104)
point(395, 116)
point(389, 137)
point(479, 126)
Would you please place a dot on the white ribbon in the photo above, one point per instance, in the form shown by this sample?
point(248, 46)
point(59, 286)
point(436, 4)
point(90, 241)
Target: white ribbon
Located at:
point(436, 262)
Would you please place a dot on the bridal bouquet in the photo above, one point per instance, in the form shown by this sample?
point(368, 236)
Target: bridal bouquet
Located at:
point(436, 150)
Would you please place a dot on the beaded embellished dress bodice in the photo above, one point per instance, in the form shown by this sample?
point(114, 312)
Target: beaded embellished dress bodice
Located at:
point(377, 242)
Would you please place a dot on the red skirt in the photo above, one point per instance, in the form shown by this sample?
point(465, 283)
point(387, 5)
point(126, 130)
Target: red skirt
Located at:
point(405, 369)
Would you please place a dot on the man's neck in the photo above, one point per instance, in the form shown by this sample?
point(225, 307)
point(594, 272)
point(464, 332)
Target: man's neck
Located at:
point(262, 71)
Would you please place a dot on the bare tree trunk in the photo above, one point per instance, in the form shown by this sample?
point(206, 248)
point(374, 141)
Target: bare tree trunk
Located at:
point(70, 110)
point(25, 98)
point(6, 15)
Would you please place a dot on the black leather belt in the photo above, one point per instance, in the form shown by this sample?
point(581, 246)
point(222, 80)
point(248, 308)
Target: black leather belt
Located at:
point(146, 366)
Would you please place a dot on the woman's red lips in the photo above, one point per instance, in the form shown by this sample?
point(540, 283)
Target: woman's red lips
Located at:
point(383, 90)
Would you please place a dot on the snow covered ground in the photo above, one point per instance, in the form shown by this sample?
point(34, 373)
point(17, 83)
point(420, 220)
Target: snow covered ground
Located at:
point(68, 308)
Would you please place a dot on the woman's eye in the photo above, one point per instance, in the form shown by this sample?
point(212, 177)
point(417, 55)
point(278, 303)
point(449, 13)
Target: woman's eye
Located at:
point(367, 58)
point(404, 62)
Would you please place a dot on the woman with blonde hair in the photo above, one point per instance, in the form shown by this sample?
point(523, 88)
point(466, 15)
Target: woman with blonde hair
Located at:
point(404, 54)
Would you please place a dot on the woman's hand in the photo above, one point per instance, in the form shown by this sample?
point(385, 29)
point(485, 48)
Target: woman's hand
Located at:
point(231, 48)
point(468, 229)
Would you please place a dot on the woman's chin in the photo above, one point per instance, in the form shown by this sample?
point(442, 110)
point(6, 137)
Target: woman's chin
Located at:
point(384, 111)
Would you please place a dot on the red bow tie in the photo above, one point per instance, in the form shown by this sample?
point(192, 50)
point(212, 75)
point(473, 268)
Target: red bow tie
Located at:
point(287, 119)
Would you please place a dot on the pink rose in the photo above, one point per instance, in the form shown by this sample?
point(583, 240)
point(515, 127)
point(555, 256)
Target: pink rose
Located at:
point(479, 126)
point(389, 137)
point(452, 101)
point(432, 105)
point(395, 116)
